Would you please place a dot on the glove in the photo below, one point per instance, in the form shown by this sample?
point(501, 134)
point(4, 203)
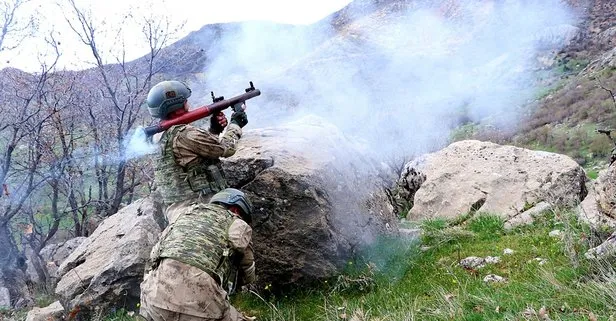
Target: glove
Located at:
point(239, 118)
point(218, 123)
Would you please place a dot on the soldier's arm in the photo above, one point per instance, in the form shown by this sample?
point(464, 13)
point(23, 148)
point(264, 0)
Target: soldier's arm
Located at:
point(205, 144)
point(230, 138)
point(247, 267)
point(240, 235)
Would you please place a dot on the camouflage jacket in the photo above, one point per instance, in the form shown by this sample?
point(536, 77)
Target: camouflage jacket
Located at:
point(210, 238)
point(188, 165)
point(175, 283)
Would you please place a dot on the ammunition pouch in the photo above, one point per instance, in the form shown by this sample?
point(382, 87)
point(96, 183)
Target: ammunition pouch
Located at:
point(205, 179)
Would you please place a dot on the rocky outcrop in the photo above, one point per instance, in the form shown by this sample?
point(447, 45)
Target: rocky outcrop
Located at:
point(599, 210)
point(53, 312)
point(471, 176)
point(604, 250)
point(590, 210)
point(404, 192)
point(316, 198)
point(106, 269)
point(528, 216)
point(53, 255)
point(5, 298)
point(605, 187)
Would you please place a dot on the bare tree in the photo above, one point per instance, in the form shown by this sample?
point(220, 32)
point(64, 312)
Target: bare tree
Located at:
point(122, 88)
point(14, 28)
point(21, 128)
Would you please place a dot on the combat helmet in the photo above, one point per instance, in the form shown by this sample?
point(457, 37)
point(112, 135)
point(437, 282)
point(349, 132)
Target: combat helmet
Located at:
point(166, 97)
point(232, 196)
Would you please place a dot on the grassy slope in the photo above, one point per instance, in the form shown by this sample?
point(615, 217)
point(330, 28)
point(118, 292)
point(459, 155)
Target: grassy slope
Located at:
point(565, 116)
point(411, 284)
point(568, 115)
point(398, 279)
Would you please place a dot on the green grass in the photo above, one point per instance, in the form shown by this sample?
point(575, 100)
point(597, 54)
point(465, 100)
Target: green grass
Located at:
point(12, 315)
point(592, 174)
point(121, 315)
point(571, 66)
point(405, 280)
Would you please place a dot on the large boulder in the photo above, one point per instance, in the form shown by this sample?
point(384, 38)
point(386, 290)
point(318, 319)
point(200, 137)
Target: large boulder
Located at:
point(53, 312)
point(5, 298)
point(106, 269)
point(590, 209)
point(316, 198)
point(53, 255)
point(470, 176)
point(605, 186)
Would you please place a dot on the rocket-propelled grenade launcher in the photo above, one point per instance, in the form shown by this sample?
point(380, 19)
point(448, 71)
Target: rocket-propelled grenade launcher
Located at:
point(218, 104)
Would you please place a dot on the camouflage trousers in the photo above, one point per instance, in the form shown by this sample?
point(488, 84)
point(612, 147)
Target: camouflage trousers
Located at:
point(175, 291)
point(152, 313)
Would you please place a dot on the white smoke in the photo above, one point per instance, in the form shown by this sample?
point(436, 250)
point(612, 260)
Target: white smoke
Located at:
point(137, 144)
point(399, 80)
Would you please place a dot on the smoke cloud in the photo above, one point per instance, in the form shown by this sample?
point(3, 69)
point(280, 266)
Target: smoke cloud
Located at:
point(399, 79)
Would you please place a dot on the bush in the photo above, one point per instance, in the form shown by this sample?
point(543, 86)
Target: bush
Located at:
point(601, 146)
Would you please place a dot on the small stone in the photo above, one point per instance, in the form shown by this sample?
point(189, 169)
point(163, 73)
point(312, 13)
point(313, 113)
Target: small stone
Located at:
point(492, 259)
point(52, 312)
point(606, 249)
point(473, 262)
point(508, 251)
point(493, 278)
point(555, 233)
point(540, 261)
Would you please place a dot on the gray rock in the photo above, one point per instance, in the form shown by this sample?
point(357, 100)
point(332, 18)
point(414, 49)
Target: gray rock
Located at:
point(53, 312)
point(589, 209)
point(539, 260)
point(528, 217)
point(407, 185)
point(608, 38)
point(106, 269)
point(57, 253)
point(470, 176)
point(472, 262)
point(557, 36)
point(53, 255)
point(555, 233)
point(5, 298)
point(604, 250)
point(316, 198)
point(605, 187)
point(493, 278)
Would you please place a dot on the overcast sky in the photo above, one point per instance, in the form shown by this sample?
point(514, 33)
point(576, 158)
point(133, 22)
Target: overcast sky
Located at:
point(109, 13)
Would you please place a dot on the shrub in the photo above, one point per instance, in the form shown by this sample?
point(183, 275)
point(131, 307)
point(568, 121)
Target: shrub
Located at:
point(601, 146)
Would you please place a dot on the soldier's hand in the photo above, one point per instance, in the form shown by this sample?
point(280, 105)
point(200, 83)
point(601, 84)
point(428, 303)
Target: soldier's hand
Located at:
point(218, 123)
point(239, 106)
point(239, 118)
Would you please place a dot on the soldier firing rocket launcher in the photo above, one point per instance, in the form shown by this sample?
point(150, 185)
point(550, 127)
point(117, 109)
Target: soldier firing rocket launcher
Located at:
point(218, 104)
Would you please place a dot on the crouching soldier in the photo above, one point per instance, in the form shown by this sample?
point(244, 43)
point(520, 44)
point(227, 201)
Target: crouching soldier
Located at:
point(200, 258)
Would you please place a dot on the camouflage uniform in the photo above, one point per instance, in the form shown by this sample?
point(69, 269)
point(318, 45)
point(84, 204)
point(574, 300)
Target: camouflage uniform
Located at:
point(204, 243)
point(188, 166)
point(199, 254)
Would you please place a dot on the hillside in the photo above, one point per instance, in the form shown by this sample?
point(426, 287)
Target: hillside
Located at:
point(576, 103)
point(396, 79)
point(445, 62)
